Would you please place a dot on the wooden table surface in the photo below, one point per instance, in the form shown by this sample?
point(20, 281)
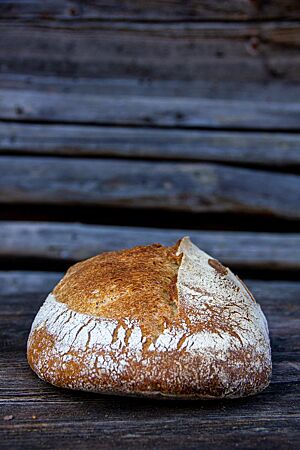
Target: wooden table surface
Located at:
point(126, 123)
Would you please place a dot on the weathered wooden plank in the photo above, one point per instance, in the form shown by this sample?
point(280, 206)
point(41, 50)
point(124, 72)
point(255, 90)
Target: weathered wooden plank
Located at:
point(188, 51)
point(155, 111)
point(270, 149)
point(46, 416)
point(159, 103)
point(83, 418)
point(194, 187)
point(98, 429)
point(277, 90)
point(71, 242)
point(151, 10)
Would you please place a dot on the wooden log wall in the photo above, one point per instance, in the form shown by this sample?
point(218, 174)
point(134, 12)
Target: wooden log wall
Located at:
point(129, 122)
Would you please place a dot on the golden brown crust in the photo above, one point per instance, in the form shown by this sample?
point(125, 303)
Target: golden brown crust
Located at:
point(146, 321)
point(139, 283)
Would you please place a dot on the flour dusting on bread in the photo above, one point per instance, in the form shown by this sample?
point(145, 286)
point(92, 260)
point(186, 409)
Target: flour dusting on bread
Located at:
point(205, 337)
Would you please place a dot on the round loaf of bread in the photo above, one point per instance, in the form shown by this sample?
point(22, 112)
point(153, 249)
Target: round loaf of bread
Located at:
point(156, 321)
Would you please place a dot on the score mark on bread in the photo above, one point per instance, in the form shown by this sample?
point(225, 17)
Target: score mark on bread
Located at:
point(153, 321)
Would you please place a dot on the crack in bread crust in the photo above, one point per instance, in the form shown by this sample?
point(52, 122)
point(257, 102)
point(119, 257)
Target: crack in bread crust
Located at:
point(175, 323)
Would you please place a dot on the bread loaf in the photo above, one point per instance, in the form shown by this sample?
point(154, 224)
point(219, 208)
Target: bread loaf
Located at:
point(156, 321)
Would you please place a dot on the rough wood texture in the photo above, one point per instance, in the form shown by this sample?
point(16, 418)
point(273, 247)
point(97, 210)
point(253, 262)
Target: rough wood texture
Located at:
point(165, 103)
point(277, 91)
point(44, 415)
point(155, 111)
point(203, 80)
point(266, 149)
point(151, 426)
point(260, 52)
point(169, 186)
point(71, 242)
point(169, 10)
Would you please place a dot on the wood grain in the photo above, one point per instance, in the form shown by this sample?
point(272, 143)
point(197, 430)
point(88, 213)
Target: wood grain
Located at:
point(167, 103)
point(202, 82)
point(44, 415)
point(194, 187)
point(147, 110)
point(256, 52)
point(265, 149)
point(169, 10)
point(72, 242)
point(98, 425)
point(277, 91)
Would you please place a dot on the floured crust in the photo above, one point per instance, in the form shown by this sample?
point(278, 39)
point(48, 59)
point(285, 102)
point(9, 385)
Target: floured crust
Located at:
point(140, 283)
point(204, 337)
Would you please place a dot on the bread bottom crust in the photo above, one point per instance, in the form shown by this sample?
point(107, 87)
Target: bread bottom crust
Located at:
point(215, 346)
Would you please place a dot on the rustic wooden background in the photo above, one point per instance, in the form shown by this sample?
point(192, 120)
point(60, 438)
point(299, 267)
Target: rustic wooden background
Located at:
point(128, 122)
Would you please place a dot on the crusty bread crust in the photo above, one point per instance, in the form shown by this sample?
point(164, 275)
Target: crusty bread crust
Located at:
point(140, 283)
point(155, 321)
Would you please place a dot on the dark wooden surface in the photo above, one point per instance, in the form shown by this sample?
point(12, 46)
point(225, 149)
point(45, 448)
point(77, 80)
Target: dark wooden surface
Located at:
point(47, 417)
point(125, 123)
point(168, 10)
point(156, 50)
